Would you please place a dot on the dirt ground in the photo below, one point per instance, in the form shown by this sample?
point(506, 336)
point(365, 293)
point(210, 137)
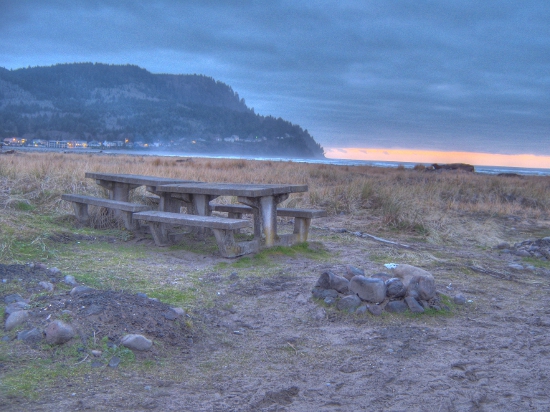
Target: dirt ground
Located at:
point(265, 345)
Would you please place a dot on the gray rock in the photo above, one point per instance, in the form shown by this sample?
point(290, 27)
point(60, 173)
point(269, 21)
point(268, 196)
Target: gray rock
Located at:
point(416, 279)
point(70, 280)
point(170, 315)
point(16, 319)
point(368, 289)
point(78, 290)
point(352, 271)
point(55, 271)
point(329, 301)
point(425, 304)
point(361, 310)
point(141, 295)
point(97, 353)
point(114, 362)
point(382, 275)
point(348, 303)
point(58, 332)
point(395, 288)
point(15, 297)
point(459, 299)
point(46, 286)
point(515, 266)
point(396, 306)
point(413, 305)
point(97, 364)
point(30, 336)
point(329, 280)
point(178, 311)
point(319, 293)
point(136, 342)
point(375, 310)
point(522, 253)
point(16, 307)
point(503, 245)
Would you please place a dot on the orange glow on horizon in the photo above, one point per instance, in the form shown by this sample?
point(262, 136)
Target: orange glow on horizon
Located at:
point(428, 156)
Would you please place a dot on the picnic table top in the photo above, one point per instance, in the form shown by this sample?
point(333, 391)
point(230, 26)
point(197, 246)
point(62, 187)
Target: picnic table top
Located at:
point(232, 189)
point(134, 179)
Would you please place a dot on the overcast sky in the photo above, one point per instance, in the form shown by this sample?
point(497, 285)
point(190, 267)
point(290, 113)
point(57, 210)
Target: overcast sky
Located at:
point(440, 75)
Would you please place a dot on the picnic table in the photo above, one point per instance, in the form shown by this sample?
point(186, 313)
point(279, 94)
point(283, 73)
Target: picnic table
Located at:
point(119, 185)
point(262, 198)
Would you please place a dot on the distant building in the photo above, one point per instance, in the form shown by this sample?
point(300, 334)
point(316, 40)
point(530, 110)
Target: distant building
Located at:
point(14, 141)
point(40, 143)
point(58, 144)
point(94, 144)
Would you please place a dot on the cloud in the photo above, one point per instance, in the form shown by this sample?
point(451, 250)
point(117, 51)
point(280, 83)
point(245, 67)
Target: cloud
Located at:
point(459, 75)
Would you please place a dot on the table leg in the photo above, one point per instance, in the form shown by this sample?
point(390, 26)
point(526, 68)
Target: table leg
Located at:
point(265, 215)
point(201, 207)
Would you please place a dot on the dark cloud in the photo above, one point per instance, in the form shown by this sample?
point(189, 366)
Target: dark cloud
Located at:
point(460, 75)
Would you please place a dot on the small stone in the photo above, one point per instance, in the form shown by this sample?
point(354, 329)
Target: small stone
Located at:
point(16, 319)
point(516, 266)
point(136, 342)
point(233, 276)
point(329, 301)
point(15, 297)
point(97, 353)
point(349, 303)
point(141, 295)
point(58, 332)
point(361, 310)
point(459, 299)
point(329, 280)
point(503, 245)
point(413, 305)
point(352, 271)
point(78, 290)
point(319, 293)
point(114, 362)
point(396, 306)
point(368, 289)
point(97, 364)
point(522, 253)
point(46, 286)
point(416, 279)
point(178, 311)
point(70, 280)
point(16, 307)
point(170, 315)
point(375, 310)
point(395, 288)
point(55, 271)
point(30, 336)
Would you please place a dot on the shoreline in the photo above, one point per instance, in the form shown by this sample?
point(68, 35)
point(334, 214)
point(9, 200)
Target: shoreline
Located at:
point(479, 169)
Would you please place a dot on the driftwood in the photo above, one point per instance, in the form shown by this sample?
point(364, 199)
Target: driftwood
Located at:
point(452, 166)
point(379, 239)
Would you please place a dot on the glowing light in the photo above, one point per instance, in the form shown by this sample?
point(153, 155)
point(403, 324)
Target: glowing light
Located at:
point(428, 157)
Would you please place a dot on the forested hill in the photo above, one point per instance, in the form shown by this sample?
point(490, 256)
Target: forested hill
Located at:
point(99, 102)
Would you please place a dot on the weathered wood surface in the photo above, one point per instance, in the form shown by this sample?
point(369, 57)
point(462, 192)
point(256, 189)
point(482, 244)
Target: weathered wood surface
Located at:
point(126, 209)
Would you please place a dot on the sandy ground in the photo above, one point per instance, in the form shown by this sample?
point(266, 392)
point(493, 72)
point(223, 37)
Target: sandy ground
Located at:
point(265, 345)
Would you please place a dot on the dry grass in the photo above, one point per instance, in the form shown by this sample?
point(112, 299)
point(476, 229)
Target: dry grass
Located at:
point(437, 206)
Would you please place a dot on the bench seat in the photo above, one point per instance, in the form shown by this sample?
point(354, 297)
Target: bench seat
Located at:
point(81, 202)
point(302, 218)
point(160, 224)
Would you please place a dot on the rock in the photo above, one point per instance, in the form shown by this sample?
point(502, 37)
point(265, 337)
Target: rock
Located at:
point(30, 336)
point(382, 275)
point(329, 301)
point(375, 310)
point(368, 289)
point(78, 290)
point(58, 332)
point(16, 319)
point(352, 271)
point(16, 307)
point(503, 245)
point(349, 303)
point(319, 293)
point(97, 353)
point(361, 310)
point(329, 280)
point(459, 299)
point(522, 253)
point(178, 311)
point(395, 288)
point(70, 280)
point(97, 364)
point(515, 266)
point(55, 271)
point(15, 297)
point(170, 315)
point(46, 286)
point(136, 342)
point(396, 306)
point(141, 295)
point(413, 305)
point(416, 280)
point(114, 362)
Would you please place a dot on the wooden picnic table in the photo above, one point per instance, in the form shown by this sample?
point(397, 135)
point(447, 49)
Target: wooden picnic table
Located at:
point(263, 198)
point(119, 185)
